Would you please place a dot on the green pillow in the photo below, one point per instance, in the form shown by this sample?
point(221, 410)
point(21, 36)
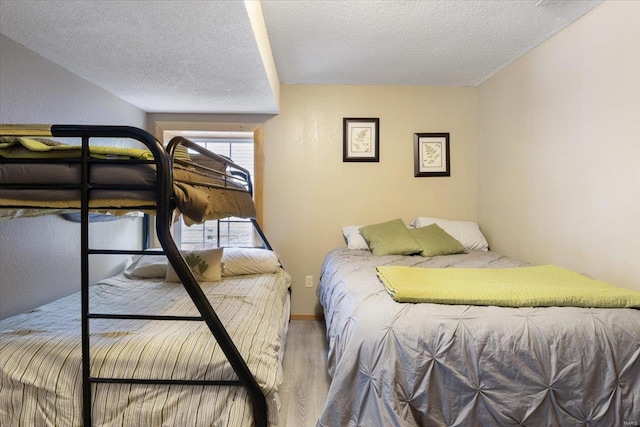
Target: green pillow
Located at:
point(390, 238)
point(435, 241)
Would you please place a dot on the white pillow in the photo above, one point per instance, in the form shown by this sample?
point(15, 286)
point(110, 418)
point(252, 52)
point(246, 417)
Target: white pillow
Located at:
point(147, 266)
point(354, 239)
point(240, 261)
point(204, 264)
point(467, 233)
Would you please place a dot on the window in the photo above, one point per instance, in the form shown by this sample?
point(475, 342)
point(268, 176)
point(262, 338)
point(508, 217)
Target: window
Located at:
point(239, 147)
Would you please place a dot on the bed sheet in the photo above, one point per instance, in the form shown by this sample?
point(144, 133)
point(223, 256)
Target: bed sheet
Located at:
point(404, 364)
point(40, 355)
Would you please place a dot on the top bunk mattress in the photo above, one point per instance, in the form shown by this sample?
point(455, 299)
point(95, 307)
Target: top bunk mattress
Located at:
point(116, 185)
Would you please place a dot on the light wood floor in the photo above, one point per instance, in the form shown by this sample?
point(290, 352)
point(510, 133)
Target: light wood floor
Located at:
point(306, 382)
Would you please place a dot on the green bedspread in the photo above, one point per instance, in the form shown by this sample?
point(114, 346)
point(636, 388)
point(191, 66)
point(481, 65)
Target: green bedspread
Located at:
point(509, 287)
point(18, 147)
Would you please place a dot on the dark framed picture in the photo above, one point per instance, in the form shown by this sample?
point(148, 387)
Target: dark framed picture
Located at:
point(431, 155)
point(361, 140)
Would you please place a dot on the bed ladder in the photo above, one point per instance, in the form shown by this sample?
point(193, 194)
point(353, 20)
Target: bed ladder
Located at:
point(164, 208)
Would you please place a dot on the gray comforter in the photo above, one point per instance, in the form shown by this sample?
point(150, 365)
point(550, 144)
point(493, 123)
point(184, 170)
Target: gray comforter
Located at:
point(396, 364)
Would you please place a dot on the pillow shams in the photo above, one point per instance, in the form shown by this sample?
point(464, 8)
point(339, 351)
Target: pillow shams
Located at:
point(353, 237)
point(233, 262)
point(467, 233)
point(241, 261)
point(204, 264)
point(390, 238)
point(147, 266)
point(435, 241)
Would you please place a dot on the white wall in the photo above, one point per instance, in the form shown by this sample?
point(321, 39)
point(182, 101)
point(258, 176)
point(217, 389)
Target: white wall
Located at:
point(39, 258)
point(559, 150)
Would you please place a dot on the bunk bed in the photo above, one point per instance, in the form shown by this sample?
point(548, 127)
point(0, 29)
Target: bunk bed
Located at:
point(181, 376)
point(468, 364)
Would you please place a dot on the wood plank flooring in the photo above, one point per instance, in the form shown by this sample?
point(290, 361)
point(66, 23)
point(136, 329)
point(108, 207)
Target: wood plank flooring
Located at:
point(306, 382)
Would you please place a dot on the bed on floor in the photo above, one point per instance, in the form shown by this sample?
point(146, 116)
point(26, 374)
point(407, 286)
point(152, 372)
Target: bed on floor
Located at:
point(462, 364)
point(40, 354)
point(179, 337)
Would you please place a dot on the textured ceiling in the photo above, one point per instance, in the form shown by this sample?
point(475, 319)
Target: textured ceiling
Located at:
point(162, 56)
point(400, 42)
point(203, 56)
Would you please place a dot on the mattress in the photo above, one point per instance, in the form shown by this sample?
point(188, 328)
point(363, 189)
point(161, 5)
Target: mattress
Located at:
point(405, 364)
point(202, 190)
point(40, 355)
point(199, 197)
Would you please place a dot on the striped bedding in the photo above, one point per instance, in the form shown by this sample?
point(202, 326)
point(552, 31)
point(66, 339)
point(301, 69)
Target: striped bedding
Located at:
point(40, 355)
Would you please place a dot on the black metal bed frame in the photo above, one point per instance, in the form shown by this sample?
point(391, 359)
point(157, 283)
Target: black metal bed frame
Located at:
point(164, 207)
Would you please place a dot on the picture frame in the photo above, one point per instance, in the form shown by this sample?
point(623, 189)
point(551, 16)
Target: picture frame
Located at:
point(361, 140)
point(431, 155)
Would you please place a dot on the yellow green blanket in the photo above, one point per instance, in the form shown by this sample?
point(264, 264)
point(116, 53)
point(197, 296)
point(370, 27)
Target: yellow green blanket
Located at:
point(541, 286)
point(23, 148)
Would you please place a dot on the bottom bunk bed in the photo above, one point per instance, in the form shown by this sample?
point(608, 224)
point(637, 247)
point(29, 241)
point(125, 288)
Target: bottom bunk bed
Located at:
point(41, 355)
point(462, 364)
point(98, 360)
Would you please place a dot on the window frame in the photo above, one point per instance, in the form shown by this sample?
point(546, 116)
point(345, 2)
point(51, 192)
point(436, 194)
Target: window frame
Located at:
point(164, 131)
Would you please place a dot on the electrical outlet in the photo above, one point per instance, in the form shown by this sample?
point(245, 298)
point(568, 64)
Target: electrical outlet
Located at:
point(308, 281)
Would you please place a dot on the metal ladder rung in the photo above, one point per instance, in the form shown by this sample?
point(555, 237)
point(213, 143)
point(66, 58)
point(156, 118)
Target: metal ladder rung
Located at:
point(142, 317)
point(163, 381)
point(124, 252)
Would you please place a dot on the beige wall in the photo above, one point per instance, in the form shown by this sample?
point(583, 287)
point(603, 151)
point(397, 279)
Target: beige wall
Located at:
point(559, 150)
point(310, 194)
